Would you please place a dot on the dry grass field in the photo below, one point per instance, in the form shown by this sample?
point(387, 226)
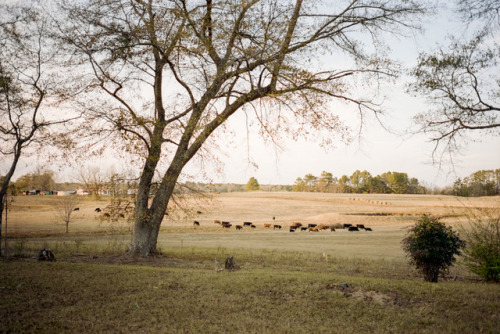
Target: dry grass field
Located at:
point(35, 218)
point(288, 282)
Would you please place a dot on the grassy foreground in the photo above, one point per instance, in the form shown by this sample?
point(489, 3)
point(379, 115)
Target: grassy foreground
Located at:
point(185, 292)
point(288, 282)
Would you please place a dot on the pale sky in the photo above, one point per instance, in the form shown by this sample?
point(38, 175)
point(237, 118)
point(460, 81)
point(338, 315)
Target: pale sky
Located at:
point(377, 151)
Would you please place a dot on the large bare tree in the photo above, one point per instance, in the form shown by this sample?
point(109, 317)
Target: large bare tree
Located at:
point(461, 82)
point(169, 73)
point(29, 86)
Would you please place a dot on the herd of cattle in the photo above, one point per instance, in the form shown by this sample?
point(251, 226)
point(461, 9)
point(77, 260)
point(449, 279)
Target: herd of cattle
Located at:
point(294, 226)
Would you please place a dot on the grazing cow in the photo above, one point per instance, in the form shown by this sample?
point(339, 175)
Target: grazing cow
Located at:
point(217, 221)
point(347, 225)
point(267, 225)
point(196, 223)
point(312, 225)
point(360, 226)
point(277, 227)
point(76, 209)
point(121, 215)
point(247, 224)
point(368, 229)
point(239, 227)
point(98, 210)
point(274, 218)
point(303, 228)
point(106, 215)
point(313, 229)
point(332, 228)
point(228, 225)
point(199, 212)
point(253, 226)
point(297, 224)
point(292, 229)
point(323, 227)
point(353, 228)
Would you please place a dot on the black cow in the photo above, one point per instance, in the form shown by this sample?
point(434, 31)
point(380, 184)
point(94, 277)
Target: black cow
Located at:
point(303, 228)
point(353, 228)
point(347, 225)
point(292, 229)
point(46, 255)
point(360, 226)
point(253, 226)
point(277, 227)
point(98, 210)
point(247, 224)
point(368, 229)
point(196, 223)
point(239, 227)
point(312, 225)
point(76, 209)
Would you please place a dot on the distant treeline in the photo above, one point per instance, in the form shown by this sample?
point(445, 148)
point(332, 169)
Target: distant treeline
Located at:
point(480, 183)
point(361, 182)
point(234, 187)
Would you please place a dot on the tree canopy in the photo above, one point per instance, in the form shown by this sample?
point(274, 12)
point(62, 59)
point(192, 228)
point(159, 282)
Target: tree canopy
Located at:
point(167, 74)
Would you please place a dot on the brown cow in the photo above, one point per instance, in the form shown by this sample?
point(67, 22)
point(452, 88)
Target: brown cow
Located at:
point(239, 227)
point(217, 221)
point(267, 225)
point(323, 227)
point(313, 229)
point(297, 224)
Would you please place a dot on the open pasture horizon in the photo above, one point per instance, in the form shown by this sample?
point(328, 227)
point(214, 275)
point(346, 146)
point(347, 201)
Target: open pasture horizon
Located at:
point(35, 217)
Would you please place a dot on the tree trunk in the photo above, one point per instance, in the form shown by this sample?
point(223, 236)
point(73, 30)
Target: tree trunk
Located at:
point(431, 274)
point(145, 237)
point(148, 220)
point(1, 217)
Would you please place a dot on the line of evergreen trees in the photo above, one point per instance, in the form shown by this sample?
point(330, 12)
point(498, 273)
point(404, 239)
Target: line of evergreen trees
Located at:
point(360, 182)
point(480, 183)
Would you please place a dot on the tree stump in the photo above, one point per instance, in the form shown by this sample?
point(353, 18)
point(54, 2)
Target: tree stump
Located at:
point(231, 264)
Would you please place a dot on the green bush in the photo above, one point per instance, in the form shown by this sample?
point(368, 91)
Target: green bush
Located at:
point(432, 246)
point(482, 254)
